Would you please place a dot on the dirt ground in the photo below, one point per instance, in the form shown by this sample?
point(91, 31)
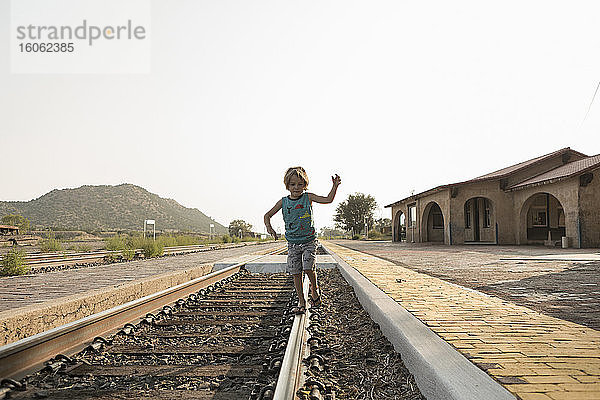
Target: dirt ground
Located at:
point(565, 289)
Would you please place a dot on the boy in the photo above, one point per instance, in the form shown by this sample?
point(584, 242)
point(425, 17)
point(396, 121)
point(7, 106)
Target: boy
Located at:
point(300, 231)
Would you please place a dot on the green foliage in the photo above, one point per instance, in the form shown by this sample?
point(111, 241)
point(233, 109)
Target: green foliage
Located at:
point(84, 248)
point(352, 213)
point(226, 239)
point(356, 237)
point(187, 240)
point(116, 242)
point(152, 248)
point(331, 233)
point(239, 226)
point(14, 263)
point(128, 254)
point(376, 235)
point(16, 220)
point(52, 244)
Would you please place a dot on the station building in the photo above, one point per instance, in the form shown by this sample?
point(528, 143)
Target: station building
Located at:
point(537, 201)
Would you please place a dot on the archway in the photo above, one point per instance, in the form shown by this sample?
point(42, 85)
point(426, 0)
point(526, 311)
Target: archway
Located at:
point(480, 220)
point(542, 215)
point(400, 227)
point(433, 222)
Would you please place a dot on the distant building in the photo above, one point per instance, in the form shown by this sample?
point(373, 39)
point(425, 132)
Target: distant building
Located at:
point(557, 194)
point(9, 230)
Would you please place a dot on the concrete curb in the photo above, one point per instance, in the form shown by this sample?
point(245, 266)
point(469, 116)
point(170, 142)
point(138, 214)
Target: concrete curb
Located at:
point(440, 371)
point(28, 321)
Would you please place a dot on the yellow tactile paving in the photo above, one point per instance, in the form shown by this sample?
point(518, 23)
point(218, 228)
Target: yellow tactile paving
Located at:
point(533, 355)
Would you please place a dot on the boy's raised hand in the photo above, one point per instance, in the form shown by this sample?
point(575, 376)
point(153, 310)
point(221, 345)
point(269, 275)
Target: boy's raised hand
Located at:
point(336, 180)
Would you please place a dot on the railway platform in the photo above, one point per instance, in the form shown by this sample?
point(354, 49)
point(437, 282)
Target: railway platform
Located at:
point(534, 355)
point(30, 304)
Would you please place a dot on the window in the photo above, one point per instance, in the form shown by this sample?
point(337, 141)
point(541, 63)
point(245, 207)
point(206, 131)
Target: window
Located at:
point(468, 214)
point(539, 217)
point(412, 215)
point(486, 213)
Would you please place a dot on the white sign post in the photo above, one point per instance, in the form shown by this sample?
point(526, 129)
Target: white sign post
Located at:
point(150, 222)
point(210, 231)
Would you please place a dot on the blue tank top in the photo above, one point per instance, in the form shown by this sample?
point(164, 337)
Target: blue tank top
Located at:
point(297, 215)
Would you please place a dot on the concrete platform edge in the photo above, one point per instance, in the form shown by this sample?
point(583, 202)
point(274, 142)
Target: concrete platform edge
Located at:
point(440, 371)
point(28, 321)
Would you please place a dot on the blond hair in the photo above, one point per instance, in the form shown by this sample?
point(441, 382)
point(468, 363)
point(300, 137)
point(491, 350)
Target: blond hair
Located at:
point(295, 171)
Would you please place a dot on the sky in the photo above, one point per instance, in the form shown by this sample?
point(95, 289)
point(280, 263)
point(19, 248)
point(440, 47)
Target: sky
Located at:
point(394, 96)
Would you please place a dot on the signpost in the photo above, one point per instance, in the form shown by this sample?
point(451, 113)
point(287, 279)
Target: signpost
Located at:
point(150, 222)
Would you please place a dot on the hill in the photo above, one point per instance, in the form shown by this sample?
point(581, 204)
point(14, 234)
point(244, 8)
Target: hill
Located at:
point(121, 207)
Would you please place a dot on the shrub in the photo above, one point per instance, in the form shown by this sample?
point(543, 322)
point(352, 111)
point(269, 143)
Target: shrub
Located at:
point(51, 244)
point(152, 248)
point(116, 242)
point(14, 263)
point(356, 237)
point(167, 241)
point(84, 248)
point(187, 240)
point(226, 239)
point(128, 254)
point(135, 242)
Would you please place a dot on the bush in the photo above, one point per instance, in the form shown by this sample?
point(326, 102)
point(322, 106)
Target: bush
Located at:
point(152, 248)
point(116, 242)
point(187, 240)
point(84, 248)
point(51, 244)
point(356, 237)
point(14, 263)
point(128, 254)
point(226, 239)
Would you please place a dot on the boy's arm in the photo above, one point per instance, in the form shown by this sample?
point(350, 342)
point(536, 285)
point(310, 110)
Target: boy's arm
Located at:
point(268, 216)
point(336, 181)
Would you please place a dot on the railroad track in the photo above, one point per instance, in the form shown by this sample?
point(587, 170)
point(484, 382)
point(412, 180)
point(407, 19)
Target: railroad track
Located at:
point(41, 261)
point(228, 339)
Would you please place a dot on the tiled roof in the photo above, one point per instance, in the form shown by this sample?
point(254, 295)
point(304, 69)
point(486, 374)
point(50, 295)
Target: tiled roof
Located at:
point(501, 173)
point(514, 168)
point(564, 171)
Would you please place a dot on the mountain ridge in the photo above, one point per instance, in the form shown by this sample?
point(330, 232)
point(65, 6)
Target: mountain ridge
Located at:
point(108, 207)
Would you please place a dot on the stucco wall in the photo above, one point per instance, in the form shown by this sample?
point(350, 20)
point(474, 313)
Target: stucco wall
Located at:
point(589, 204)
point(565, 191)
point(442, 198)
point(509, 211)
point(501, 213)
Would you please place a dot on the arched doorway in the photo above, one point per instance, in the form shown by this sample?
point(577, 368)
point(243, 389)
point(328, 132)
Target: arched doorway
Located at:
point(542, 215)
point(399, 227)
point(480, 220)
point(434, 223)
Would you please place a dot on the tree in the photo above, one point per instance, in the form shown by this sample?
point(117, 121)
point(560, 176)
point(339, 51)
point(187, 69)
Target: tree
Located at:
point(16, 220)
point(328, 232)
point(237, 226)
point(351, 213)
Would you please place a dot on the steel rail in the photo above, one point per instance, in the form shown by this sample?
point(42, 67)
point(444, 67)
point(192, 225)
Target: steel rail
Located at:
point(290, 374)
point(25, 355)
point(54, 259)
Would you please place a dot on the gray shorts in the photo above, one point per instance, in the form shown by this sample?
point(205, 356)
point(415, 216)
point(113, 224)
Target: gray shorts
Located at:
point(301, 256)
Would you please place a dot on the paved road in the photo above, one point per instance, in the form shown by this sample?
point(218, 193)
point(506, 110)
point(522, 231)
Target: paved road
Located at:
point(562, 289)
